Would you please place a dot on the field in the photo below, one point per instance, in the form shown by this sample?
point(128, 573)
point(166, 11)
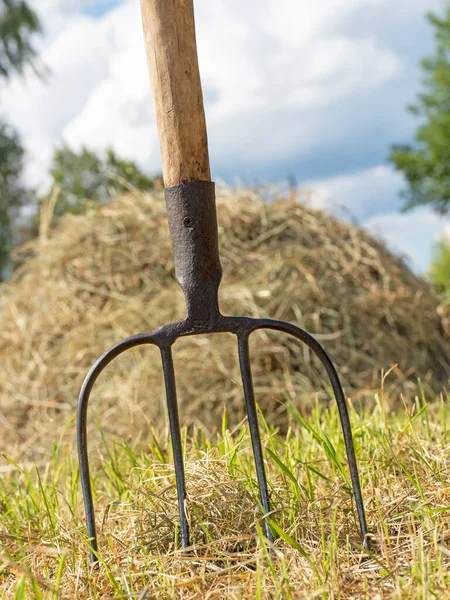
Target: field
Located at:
point(98, 277)
point(404, 460)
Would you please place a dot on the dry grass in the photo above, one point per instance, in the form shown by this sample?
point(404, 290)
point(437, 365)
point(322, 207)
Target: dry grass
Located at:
point(108, 274)
point(103, 276)
point(405, 468)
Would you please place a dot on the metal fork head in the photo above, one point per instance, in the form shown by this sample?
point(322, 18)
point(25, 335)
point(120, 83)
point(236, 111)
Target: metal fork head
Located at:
point(193, 228)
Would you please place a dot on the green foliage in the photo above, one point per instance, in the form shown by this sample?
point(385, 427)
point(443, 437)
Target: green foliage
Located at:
point(426, 164)
point(12, 193)
point(85, 178)
point(404, 468)
point(440, 266)
point(18, 23)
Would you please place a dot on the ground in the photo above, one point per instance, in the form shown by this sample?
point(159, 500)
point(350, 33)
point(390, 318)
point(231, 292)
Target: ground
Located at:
point(404, 461)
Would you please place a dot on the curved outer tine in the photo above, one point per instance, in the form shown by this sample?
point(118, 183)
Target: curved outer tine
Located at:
point(319, 351)
point(83, 400)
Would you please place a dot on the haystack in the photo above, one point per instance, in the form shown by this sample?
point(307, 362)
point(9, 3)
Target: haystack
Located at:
point(108, 274)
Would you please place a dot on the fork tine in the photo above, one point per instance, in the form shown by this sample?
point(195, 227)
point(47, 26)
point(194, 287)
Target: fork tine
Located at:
point(172, 407)
point(83, 401)
point(84, 471)
point(321, 354)
point(249, 395)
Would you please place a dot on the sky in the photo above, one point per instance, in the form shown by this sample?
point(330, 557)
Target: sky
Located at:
point(312, 89)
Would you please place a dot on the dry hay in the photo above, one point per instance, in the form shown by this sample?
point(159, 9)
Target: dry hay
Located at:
point(108, 274)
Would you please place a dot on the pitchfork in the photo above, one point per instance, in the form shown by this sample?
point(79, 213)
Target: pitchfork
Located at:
point(169, 33)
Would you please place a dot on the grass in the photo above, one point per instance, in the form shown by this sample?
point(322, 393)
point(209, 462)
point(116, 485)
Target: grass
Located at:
point(404, 461)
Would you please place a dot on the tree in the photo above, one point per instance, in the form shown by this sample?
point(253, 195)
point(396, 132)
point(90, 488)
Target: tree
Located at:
point(440, 266)
point(11, 191)
point(426, 164)
point(85, 178)
point(18, 23)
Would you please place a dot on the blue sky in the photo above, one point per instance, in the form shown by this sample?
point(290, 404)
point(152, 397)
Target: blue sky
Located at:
point(100, 8)
point(311, 89)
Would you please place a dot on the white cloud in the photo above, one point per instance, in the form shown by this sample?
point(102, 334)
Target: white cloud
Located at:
point(41, 111)
point(363, 194)
point(299, 23)
point(270, 61)
point(246, 83)
point(372, 197)
point(119, 111)
point(412, 234)
point(284, 82)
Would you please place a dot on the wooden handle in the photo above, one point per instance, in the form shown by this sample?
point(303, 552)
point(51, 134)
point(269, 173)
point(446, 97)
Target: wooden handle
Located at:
point(169, 33)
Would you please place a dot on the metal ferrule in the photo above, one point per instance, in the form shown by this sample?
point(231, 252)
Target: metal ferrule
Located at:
point(191, 212)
